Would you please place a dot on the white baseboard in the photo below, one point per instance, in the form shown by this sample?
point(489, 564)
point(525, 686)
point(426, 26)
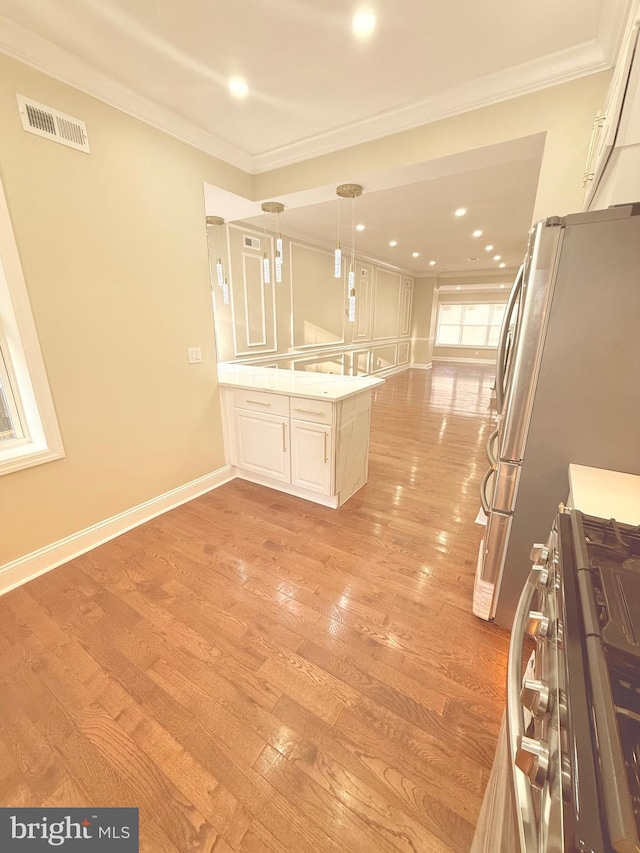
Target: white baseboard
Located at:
point(389, 371)
point(24, 569)
point(416, 366)
point(465, 360)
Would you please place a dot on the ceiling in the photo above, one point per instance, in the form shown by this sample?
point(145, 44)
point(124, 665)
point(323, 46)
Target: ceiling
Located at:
point(414, 205)
point(314, 87)
point(499, 201)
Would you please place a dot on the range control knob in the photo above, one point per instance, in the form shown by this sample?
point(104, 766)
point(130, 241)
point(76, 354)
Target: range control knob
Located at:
point(532, 757)
point(535, 696)
point(542, 576)
point(538, 625)
point(539, 554)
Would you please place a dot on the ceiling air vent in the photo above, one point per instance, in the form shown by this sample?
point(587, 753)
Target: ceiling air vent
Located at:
point(251, 242)
point(52, 124)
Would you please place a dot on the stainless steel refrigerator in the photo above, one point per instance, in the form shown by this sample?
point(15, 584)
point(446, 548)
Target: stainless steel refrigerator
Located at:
point(567, 387)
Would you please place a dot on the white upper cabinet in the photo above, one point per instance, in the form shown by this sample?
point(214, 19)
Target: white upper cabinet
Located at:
point(613, 169)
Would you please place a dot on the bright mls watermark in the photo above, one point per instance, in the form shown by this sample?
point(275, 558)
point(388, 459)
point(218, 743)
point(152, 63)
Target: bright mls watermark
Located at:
point(79, 830)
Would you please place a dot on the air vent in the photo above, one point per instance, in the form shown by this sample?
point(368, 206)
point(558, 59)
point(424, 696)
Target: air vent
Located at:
point(52, 124)
point(251, 242)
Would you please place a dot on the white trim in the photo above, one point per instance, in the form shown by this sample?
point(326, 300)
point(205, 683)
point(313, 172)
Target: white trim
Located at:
point(550, 70)
point(24, 569)
point(39, 53)
point(26, 363)
point(471, 288)
point(417, 366)
point(479, 275)
point(560, 67)
point(464, 360)
point(389, 371)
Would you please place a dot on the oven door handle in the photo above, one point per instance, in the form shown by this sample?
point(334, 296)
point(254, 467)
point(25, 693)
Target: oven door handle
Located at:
point(523, 794)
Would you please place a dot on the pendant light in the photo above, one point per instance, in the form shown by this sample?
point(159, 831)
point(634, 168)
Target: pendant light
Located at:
point(216, 222)
point(277, 208)
point(337, 265)
point(352, 191)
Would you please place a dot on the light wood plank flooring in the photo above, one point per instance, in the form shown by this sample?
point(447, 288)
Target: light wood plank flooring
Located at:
point(258, 673)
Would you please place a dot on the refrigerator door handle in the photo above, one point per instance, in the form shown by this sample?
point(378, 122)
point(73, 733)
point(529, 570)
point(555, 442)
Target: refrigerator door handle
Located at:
point(486, 507)
point(525, 812)
point(502, 343)
point(491, 454)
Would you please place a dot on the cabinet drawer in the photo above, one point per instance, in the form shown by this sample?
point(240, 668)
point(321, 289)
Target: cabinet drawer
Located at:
point(261, 401)
point(316, 411)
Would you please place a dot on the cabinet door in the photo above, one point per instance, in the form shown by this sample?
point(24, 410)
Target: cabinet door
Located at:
point(311, 456)
point(263, 444)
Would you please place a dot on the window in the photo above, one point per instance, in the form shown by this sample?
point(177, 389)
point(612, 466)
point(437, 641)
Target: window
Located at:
point(470, 324)
point(29, 431)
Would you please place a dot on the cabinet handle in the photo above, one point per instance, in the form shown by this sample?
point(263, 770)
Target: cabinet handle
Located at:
point(284, 437)
point(257, 403)
point(309, 412)
point(326, 458)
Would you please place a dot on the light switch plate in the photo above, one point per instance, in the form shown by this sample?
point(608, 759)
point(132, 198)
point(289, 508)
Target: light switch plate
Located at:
point(195, 355)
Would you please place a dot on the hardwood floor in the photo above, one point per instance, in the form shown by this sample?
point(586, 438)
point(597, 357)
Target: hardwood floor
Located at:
point(259, 673)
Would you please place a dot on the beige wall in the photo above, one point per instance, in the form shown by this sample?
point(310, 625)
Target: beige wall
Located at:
point(421, 334)
point(565, 113)
point(114, 254)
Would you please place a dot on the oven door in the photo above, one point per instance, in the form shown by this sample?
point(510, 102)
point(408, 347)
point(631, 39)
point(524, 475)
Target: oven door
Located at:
point(532, 731)
point(497, 828)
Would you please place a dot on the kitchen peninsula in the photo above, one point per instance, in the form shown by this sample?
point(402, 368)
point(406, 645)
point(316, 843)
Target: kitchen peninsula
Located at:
point(300, 432)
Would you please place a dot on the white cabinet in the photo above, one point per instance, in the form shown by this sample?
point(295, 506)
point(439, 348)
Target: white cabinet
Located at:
point(311, 456)
point(263, 444)
point(314, 448)
point(613, 168)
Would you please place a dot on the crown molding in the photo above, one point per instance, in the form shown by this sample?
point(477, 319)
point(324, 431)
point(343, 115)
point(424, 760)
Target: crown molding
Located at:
point(560, 67)
point(489, 286)
point(508, 274)
point(553, 69)
point(41, 54)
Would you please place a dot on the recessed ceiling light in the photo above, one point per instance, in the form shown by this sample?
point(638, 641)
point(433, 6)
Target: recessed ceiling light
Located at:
point(363, 23)
point(488, 248)
point(502, 265)
point(502, 287)
point(238, 87)
point(360, 227)
point(497, 257)
point(432, 263)
point(457, 287)
point(460, 211)
point(477, 233)
point(415, 255)
point(473, 259)
point(393, 243)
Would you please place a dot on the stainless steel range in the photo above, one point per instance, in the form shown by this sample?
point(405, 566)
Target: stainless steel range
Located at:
point(567, 772)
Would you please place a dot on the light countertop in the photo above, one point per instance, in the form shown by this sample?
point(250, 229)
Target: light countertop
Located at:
point(606, 494)
point(295, 383)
